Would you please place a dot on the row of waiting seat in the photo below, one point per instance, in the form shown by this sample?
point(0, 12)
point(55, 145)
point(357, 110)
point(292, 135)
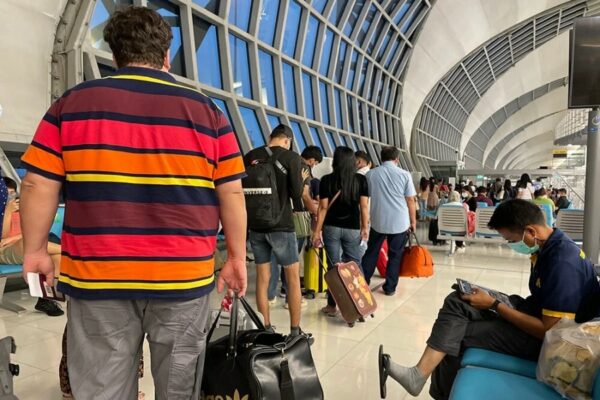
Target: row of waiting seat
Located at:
point(511, 377)
point(15, 270)
point(453, 224)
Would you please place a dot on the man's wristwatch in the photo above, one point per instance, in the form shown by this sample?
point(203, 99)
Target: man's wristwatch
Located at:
point(494, 306)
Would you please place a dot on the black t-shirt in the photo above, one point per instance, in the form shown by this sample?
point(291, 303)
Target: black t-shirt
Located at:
point(343, 214)
point(289, 187)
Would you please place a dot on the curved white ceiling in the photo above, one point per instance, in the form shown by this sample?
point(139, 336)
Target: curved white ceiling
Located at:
point(540, 127)
point(534, 161)
point(544, 65)
point(452, 30)
point(540, 143)
point(545, 105)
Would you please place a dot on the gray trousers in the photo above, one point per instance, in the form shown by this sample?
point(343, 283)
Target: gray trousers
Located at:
point(105, 337)
point(460, 326)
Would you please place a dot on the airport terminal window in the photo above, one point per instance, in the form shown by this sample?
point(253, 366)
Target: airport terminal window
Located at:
point(352, 72)
point(326, 53)
point(402, 12)
point(319, 5)
point(223, 106)
point(171, 14)
point(366, 25)
point(331, 140)
point(207, 53)
point(102, 12)
point(290, 88)
point(376, 35)
point(267, 84)
point(337, 12)
point(314, 133)
point(384, 44)
point(239, 13)
point(343, 140)
point(309, 109)
point(337, 96)
point(252, 127)
point(412, 18)
point(324, 103)
point(363, 75)
point(339, 68)
point(310, 41)
point(298, 135)
point(210, 5)
point(273, 121)
point(241, 66)
point(350, 113)
point(268, 21)
point(353, 17)
point(392, 53)
point(291, 28)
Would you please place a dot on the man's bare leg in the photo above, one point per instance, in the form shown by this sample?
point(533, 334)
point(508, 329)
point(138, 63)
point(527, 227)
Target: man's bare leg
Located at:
point(294, 293)
point(263, 275)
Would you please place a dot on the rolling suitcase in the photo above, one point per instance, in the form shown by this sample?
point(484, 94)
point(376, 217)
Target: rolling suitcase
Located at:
point(351, 292)
point(315, 266)
point(382, 260)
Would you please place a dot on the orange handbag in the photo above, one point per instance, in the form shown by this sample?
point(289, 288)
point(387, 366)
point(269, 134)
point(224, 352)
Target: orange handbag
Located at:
point(416, 260)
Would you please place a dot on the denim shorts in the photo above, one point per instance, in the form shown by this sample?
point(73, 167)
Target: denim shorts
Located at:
point(283, 245)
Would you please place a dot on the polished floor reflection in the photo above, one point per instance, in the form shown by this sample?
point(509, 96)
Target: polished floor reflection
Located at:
point(346, 358)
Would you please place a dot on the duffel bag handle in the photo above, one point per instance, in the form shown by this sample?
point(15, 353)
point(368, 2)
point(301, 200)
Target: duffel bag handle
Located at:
point(412, 234)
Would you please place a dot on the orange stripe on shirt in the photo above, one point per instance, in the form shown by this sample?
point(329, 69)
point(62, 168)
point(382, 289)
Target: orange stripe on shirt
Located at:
point(229, 167)
point(130, 163)
point(44, 160)
point(137, 270)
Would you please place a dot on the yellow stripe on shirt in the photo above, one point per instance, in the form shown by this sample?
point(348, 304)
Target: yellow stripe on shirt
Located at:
point(140, 180)
point(149, 79)
point(136, 285)
point(558, 314)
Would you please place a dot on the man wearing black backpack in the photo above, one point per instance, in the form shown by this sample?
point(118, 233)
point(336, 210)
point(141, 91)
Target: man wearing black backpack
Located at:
point(274, 180)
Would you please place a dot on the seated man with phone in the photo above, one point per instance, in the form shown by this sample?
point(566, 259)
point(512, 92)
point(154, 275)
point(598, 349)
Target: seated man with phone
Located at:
point(563, 284)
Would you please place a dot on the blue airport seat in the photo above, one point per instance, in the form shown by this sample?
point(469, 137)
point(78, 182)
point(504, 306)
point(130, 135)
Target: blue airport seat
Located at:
point(482, 383)
point(10, 269)
point(481, 204)
point(59, 219)
point(497, 361)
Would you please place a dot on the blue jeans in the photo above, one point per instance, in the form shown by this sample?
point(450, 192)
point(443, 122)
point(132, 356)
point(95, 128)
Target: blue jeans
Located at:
point(396, 243)
point(341, 245)
point(276, 273)
point(422, 209)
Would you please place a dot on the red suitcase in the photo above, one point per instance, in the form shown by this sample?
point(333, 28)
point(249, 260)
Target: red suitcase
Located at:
point(351, 292)
point(382, 260)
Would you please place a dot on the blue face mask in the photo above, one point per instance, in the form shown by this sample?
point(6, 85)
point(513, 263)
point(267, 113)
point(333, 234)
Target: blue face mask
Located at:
point(522, 247)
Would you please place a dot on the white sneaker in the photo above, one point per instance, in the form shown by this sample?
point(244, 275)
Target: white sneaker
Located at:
point(461, 249)
point(273, 301)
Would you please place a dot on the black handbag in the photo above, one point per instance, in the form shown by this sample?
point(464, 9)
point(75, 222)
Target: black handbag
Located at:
point(258, 364)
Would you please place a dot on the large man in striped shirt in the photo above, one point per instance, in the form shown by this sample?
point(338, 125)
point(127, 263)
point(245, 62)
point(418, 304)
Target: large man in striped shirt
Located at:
point(148, 168)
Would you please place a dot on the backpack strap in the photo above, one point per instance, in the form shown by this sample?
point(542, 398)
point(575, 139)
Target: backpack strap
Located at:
point(275, 161)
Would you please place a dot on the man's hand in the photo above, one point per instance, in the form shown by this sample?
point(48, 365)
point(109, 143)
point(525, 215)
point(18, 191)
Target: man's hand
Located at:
point(12, 206)
point(40, 263)
point(305, 174)
point(413, 226)
point(235, 275)
point(480, 299)
point(364, 234)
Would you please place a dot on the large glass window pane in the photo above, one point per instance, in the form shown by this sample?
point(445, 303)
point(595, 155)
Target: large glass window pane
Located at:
point(239, 13)
point(337, 11)
point(290, 35)
point(384, 44)
point(350, 104)
point(326, 53)
point(274, 121)
point(363, 75)
point(310, 41)
point(376, 35)
point(337, 96)
point(412, 18)
point(267, 80)
point(402, 12)
point(366, 25)
point(252, 127)
point(210, 5)
point(352, 72)
point(316, 138)
point(241, 66)
point(345, 141)
point(353, 18)
point(223, 106)
point(268, 21)
point(207, 53)
point(170, 13)
point(102, 12)
point(308, 96)
point(290, 88)
point(339, 68)
point(319, 5)
point(331, 140)
point(298, 136)
point(324, 103)
point(392, 52)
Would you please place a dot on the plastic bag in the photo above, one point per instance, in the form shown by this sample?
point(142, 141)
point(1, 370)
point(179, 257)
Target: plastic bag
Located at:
point(570, 358)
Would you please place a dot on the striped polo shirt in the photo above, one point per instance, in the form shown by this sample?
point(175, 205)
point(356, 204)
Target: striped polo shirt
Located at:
point(139, 157)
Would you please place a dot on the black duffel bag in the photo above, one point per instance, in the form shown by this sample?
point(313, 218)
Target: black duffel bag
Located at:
point(259, 364)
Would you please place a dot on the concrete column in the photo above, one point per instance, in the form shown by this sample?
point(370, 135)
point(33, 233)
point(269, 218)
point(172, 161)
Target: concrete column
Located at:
point(591, 231)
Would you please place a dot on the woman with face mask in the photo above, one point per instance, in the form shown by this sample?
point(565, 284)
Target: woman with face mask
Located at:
point(563, 284)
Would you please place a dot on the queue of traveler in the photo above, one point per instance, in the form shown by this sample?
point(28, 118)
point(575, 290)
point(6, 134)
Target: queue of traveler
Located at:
point(144, 200)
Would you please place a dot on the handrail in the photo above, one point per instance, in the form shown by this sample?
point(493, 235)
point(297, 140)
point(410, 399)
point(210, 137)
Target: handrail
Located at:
point(570, 187)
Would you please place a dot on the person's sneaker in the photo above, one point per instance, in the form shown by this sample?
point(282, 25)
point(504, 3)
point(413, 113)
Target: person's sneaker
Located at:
point(273, 301)
point(51, 308)
point(461, 250)
point(282, 293)
point(303, 303)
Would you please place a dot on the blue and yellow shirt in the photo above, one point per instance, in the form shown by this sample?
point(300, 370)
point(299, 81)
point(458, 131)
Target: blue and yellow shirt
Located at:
point(563, 282)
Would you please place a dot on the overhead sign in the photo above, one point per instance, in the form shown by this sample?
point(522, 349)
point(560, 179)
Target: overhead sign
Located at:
point(560, 153)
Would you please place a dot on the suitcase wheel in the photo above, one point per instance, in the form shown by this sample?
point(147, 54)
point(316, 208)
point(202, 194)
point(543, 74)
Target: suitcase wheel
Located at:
point(351, 324)
point(310, 295)
point(372, 315)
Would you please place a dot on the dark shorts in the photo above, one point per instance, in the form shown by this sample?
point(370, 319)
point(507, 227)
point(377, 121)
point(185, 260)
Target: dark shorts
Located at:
point(283, 245)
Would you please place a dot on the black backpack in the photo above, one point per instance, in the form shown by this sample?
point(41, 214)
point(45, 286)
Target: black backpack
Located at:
point(260, 190)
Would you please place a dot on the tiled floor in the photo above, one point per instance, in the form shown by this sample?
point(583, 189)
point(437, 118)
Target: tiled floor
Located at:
point(346, 358)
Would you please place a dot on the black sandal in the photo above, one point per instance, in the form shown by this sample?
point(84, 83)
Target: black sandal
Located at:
point(384, 362)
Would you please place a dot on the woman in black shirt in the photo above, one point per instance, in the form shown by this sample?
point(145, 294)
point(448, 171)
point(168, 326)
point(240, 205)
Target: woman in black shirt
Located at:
point(343, 220)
